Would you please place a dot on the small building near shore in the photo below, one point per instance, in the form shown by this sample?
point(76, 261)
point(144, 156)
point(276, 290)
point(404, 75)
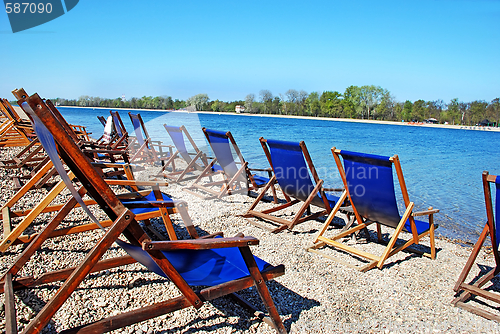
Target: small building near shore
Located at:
point(239, 109)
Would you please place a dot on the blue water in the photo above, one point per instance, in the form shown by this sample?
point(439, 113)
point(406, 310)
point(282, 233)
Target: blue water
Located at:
point(442, 167)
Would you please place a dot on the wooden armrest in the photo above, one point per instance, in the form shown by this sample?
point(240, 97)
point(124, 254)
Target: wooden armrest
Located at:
point(135, 183)
point(333, 189)
point(425, 213)
point(105, 151)
point(149, 204)
point(134, 194)
point(109, 164)
point(200, 243)
point(261, 169)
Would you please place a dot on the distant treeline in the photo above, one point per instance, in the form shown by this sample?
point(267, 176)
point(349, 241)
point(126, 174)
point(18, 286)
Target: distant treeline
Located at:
point(365, 102)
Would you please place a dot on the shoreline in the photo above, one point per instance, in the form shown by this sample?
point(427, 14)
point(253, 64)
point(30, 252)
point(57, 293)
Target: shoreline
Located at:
point(353, 120)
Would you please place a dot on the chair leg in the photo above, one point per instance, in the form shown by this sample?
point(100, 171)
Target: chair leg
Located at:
point(10, 306)
point(431, 236)
point(398, 230)
point(262, 289)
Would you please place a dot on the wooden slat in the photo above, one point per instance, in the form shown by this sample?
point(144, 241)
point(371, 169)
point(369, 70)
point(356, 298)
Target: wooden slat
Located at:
point(20, 193)
point(6, 220)
point(349, 249)
point(328, 256)
point(155, 310)
point(479, 311)
point(480, 292)
point(10, 306)
point(60, 275)
point(268, 217)
point(200, 243)
point(19, 229)
point(78, 275)
point(84, 227)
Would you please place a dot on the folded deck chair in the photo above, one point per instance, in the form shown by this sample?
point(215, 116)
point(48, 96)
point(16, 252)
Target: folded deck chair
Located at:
point(195, 161)
point(224, 265)
point(146, 152)
point(369, 186)
point(237, 177)
point(119, 127)
point(14, 131)
point(293, 167)
point(476, 290)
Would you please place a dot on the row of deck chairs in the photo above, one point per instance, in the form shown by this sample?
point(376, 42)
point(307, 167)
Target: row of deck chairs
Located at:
point(220, 266)
point(367, 197)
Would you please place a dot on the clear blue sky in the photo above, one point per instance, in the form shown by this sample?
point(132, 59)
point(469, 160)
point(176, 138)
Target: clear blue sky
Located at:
point(227, 49)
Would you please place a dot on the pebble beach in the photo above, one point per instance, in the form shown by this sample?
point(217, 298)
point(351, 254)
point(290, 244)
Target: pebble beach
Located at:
point(411, 294)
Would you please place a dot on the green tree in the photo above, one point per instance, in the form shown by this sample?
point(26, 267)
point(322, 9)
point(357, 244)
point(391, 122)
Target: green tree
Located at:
point(370, 96)
point(331, 104)
point(351, 103)
point(406, 113)
point(385, 109)
point(494, 110)
point(419, 110)
point(478, 111)
point(454, 112)
point(313, 105)
point(218, 105)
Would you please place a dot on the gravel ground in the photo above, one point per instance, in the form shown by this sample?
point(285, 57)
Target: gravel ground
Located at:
point(412, 294)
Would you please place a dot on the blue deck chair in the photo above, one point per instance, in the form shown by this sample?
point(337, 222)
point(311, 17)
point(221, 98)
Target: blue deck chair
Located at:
point(147, 150)
point(293, 167)
point(237, 176)
point(196, 161)
point(369, 186)
point(468, 291)
point(223, 265)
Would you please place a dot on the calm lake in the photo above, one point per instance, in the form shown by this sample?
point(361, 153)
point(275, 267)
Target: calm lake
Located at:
point(442, 167)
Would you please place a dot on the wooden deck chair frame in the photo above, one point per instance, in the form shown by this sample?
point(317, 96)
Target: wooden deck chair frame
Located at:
point(124, 223)
point(362, 223)
point(193, 163)
point(120, 129)
point(29, 157)
point(466, 291)
point(241, 181)
point(146, 151)
point(13, 132)
point(299, 217)
point(31, 154)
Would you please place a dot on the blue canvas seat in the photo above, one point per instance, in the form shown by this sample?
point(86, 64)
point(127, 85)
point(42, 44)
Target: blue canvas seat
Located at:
point(225, 265)
point(237, 176)
point(199, 267)
point(293, 168)
point(369, 186)
point(196, 161)
point(479, 289)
